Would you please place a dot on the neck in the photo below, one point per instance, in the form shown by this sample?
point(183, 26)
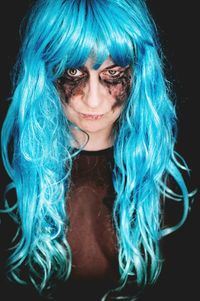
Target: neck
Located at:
point(97, 141)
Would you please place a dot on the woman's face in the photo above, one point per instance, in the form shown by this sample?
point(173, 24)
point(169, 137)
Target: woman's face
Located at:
point(93, 99)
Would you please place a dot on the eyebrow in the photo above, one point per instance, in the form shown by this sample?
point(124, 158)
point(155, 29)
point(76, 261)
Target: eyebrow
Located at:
point(115, 65)
point(111, 66)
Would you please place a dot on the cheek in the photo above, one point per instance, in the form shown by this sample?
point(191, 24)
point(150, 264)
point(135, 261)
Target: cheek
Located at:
point(119, 91)
point(68, 90)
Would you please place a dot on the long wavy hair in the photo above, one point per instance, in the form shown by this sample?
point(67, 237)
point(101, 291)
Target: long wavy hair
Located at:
point(37, 143)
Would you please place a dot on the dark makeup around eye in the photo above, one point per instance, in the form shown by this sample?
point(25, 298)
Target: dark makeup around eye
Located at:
point(69, 86)
point(117, 85)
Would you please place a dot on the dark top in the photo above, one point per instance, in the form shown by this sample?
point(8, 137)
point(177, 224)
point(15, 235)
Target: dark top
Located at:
point(91, 234)
point(94, 248)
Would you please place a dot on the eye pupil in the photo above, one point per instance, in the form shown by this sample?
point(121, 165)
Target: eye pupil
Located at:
point(72, 71)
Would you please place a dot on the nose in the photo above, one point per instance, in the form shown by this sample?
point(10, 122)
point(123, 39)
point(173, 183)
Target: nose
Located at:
point(94, 92)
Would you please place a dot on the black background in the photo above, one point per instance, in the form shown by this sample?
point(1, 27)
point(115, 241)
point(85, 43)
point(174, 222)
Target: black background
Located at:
point(178, 27)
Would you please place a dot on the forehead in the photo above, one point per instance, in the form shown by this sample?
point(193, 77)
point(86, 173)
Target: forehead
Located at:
point(90, 63)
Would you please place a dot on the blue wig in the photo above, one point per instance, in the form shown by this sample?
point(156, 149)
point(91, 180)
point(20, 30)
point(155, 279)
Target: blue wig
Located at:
point(63, 34)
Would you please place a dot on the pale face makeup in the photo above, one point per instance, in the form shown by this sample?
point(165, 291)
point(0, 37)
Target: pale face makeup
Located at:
point(93, 99)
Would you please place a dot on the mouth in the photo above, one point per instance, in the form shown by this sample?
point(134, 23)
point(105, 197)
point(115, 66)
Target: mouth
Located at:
point(91, 116)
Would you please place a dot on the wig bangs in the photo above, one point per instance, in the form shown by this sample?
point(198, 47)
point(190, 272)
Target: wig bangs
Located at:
point(91, 34)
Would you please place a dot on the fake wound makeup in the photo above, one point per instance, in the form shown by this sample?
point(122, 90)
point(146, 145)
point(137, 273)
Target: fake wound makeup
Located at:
point(116, 79)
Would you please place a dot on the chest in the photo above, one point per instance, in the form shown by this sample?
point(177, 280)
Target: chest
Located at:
point(91, 234)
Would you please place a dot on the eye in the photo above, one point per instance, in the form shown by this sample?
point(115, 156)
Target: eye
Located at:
point(73, 72)
point(113, 72)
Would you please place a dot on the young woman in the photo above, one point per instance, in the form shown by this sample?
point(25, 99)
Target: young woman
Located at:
point(89, 144)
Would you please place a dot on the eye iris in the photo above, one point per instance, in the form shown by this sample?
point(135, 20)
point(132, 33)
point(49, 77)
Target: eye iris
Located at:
point(72, 71)
point(112, 72)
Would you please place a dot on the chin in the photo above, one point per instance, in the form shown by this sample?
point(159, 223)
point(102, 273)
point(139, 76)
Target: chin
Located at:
point(92, 129)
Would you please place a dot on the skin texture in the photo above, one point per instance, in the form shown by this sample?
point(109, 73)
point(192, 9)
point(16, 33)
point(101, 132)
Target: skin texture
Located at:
point(89, 91)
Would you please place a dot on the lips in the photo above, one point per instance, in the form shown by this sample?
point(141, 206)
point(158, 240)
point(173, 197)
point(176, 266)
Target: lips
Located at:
point(91, 116)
